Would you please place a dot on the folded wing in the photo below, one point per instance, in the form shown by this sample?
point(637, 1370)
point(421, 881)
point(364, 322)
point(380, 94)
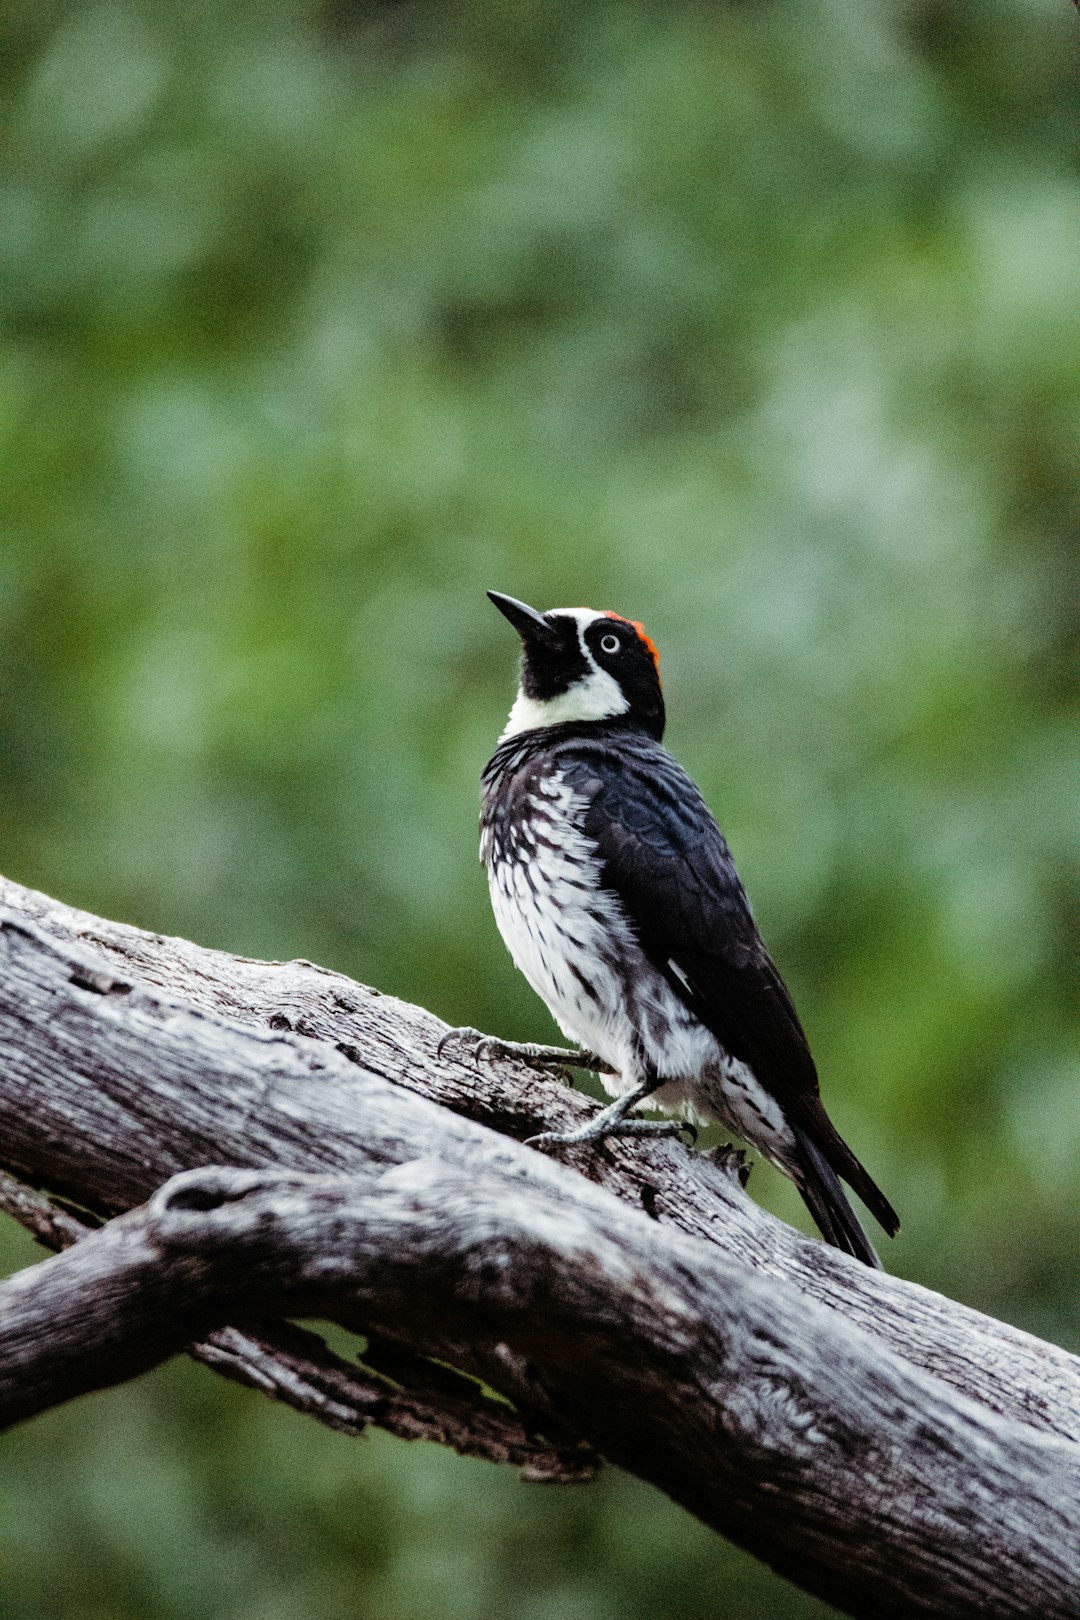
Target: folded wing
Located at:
point(667, 860)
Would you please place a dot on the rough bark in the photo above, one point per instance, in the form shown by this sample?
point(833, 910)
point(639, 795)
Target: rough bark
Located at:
point(405, 1394)
point(885, 1447)
point(103, 1027)
point(756, 1409)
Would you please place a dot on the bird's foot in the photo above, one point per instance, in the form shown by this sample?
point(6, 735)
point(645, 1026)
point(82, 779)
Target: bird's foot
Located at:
point(536, 1055)
point(615, 1121)
point(627, 1128)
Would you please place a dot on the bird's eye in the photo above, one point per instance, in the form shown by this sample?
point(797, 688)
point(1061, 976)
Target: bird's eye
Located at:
point(609, 644)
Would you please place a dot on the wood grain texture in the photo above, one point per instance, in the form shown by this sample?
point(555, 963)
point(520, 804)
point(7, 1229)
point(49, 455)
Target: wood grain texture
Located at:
point(769, 1417)
point(883, 1446)
point(100, 1070)
point(405, 1394)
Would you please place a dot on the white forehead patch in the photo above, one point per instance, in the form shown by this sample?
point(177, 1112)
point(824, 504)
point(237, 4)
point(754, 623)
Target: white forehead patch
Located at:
point(596, 696)
point(584, 616)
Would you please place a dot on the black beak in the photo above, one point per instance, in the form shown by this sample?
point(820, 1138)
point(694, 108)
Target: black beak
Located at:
point(530, 625)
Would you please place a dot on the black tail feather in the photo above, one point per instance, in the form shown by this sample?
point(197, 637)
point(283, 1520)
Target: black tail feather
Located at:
point(825, 1199)
point(831, 1144)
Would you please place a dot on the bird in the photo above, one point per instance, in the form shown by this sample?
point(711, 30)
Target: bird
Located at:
point(618, 899)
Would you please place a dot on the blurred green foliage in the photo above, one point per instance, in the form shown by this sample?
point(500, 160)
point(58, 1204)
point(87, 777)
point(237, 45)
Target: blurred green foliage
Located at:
point(757, 321)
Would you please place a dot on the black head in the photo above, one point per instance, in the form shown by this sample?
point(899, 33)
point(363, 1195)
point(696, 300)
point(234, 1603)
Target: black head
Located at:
point(579, 666)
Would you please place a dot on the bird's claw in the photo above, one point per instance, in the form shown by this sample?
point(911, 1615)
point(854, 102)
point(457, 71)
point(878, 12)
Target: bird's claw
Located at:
point(462, 1032)
point(625, 1127)
point(482, 1046)
point(550, 1059)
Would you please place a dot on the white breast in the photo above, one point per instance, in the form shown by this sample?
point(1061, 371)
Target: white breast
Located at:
point(566, 934)
point(573, 942)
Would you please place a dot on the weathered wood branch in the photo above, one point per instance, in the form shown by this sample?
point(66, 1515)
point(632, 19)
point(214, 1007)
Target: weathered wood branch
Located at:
point(743, 1401)
point(407, 1395)
point(125, 1058)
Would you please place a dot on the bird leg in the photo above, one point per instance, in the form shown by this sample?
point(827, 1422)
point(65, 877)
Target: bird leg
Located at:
point(533, 1053)
point(613, 1121)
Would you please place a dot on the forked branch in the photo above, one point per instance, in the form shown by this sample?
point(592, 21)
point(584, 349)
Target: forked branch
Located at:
point(887, 1448)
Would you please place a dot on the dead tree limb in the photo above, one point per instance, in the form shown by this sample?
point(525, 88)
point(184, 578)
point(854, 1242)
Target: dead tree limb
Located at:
point(124, 1061)
point(754, 1408)
point(404, 1394)
point(125, 1058)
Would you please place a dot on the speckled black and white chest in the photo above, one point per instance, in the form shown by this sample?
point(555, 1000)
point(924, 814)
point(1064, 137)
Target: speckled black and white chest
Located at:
point(571, 938)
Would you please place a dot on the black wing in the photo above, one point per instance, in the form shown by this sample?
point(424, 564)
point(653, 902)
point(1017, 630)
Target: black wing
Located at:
point(667, 860)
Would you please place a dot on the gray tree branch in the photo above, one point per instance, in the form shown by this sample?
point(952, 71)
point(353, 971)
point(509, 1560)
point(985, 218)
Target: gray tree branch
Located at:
point(126, 1056)
point(754, 1408)
point(886, 1447)
point(404, 1394)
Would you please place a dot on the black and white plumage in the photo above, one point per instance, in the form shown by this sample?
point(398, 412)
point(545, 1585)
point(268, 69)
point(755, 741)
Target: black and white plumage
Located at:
point(618, 899)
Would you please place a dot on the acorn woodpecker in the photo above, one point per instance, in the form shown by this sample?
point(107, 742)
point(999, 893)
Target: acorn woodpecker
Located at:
point(618, 899)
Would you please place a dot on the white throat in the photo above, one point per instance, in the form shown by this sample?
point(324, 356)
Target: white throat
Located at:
point(596, 696)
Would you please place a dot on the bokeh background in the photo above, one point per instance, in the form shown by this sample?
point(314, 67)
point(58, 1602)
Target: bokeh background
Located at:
point(757, 321)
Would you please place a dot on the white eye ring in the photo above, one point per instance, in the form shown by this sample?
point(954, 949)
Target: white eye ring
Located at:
point(609, 644)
